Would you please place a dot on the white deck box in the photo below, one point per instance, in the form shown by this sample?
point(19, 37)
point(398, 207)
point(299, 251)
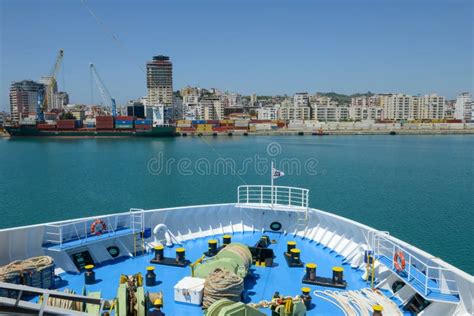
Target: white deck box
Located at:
point(189, 290)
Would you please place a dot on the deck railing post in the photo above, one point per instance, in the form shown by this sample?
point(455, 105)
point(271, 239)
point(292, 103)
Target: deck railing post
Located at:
point(60, 236)
point(393, 254)
point(426, 280)
point(85, 230)
point(261, 195)
point(409, 268)
point(289, 198)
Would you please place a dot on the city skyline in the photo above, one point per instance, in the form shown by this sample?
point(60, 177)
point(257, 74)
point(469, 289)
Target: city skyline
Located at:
point(417, 56)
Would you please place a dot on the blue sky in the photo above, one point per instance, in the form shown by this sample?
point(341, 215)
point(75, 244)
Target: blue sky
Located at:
point(266, 46)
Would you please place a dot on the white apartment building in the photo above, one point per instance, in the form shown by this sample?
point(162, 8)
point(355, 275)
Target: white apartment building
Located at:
point(366, 101)
point(401, 107)
point(316, 100)
point(301, 99)
point(268, 112)
point(396, 107)
point(210, 109)
point(330, 113)
point(428, 107)
point(363, 113)
point(463, 108)
point(294, 113)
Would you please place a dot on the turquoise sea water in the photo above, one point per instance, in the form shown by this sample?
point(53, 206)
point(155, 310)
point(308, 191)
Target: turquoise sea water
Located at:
point(420, 188)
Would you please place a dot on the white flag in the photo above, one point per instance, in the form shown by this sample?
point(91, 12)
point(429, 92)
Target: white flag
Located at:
point(277, 173)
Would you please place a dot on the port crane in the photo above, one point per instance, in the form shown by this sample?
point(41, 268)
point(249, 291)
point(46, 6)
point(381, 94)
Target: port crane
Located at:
point(42, 101)
point(106, 97)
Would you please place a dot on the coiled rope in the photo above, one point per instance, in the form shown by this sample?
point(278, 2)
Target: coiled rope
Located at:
point(222, 284)
point(242, 251)
point(64, 303)
point(359, 303)
point(22, 266)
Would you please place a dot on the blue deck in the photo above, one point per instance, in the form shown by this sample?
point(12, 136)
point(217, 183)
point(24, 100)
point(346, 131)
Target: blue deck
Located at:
point(74, 243)
point(417, 281)
point(260, 285)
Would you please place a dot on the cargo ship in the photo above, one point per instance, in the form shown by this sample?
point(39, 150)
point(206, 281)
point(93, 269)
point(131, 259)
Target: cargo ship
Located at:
point(266, 253)
point(105, 126)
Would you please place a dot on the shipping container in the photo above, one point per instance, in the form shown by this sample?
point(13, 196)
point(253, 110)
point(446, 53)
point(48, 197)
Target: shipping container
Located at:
point(204, 127)
point(183, 122)
point(143, 122)
point(105, 123)
point(260, 121)
point(185, 129)
point(66, 124)
point(222, 129)
point(241, 122)
point(124, 118)
point(195, 122)
point(124, 122)
point(104, 118)
point(46, 126)
point(226, 121)
point(124, 126)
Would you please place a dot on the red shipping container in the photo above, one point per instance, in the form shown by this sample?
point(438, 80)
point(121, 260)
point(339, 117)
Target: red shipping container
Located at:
point(187, 129)
point(240, 128)
point(212, 122)
point(46, 126)
point(125, 118)
point(453, 121)
point(260, 121)
point(105, 118)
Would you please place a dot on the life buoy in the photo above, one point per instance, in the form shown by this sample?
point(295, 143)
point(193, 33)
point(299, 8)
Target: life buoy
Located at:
point(399, 261)
point(98, 226)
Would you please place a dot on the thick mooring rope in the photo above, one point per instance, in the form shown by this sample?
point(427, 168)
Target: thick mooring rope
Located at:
point(222, 284)
point(23, 266)
point(358, 303)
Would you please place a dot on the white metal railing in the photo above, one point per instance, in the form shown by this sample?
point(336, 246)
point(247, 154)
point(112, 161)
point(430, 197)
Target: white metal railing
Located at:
point(416, 268)
point(58, 234)
point(273, 195)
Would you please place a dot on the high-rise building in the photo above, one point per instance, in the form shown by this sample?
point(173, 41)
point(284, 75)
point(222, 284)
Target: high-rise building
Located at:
point(62, 99)
point(24, 98)
point(253, 99)
point(301, 99)
point(463, 109)
point(159, 79)
point(51, 93)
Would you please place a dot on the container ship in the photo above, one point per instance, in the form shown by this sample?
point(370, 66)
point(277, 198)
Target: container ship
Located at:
point(266, 253)
point(102, 126)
